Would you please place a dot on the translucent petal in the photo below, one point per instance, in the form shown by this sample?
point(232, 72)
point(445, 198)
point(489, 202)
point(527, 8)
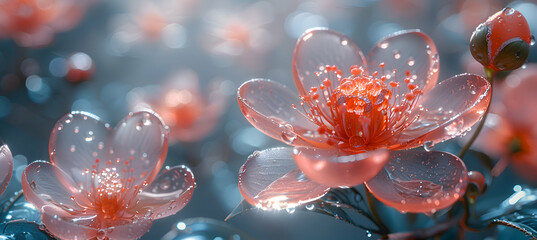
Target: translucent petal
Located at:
point(270, 180)
point(420, 181)
point(336, 169)
point(519, 93)
point(77, 140)
point(138, 145)
point(167, 194)
point(410, 50)
point(6, 167)
point(317, 48)
point(64, 225)
point(46, 184)
point(447, 111)
point(268, 106)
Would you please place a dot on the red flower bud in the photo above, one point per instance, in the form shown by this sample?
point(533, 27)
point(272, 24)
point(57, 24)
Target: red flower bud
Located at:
point(502, 42)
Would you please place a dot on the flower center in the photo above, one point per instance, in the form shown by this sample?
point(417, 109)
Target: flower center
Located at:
point(108, 191)
point(363, 112)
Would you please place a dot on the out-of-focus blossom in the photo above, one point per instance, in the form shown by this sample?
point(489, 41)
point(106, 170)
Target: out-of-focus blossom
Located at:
point(510, 133)
point(33, 23)
point(243, 34)
point(349, 111)
point(80, 67)
point(502, 43)
point(151, 21)
point(190, 113)
point(6, 167)
point(104, 183)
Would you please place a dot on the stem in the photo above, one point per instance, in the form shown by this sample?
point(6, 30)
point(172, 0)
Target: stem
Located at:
point(490, 76)
point(374, 211)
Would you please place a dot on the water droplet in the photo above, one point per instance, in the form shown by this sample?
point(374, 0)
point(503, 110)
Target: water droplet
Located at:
point(411, 61)
point(508, 11)
point(101, 234)
point(428, 146)
point(384, 44)
point(146, 120)
point(32, 185)
point(42, 227)
point(77, 129)
point(165, 184)
point(396, 54)
point(89, 137)
point(290, 210)
point(73, 197)
point(310, 207)
point(368, 233)
point(139, 126)
point(532, 41)
point(72, 148)
point(148, 213)
point(455, 128)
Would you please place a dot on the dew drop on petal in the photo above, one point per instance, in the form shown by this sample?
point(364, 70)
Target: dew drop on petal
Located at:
point(290, 210)
point(508, 11)
point(384, 44)
point(532, 41)
point(411, 61)
point(396, 54)
point(428, 146)
point(165, 184)
point(101, 234)
point(72, 148)
point(310, 207)
point(368, 233)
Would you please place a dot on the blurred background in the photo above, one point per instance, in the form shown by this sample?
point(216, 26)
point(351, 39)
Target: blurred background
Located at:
point(185, 59)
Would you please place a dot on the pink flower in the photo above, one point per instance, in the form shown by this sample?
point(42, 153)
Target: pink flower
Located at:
point(190, 114)
point(510, 133)
point(350, 110)
point(6, 167)
point(102, 182)
point(33, 23)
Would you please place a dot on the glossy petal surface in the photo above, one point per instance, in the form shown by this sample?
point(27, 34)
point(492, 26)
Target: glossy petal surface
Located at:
point(168, 193)
point(448, 110)
point(410, 50)
point(45, 184)
point(317, 48)
point(76, 141)
point(270, 180)
point(6, 167)
point(140, 145)
point(420, 181)
point(268, 106)
point(334, 169)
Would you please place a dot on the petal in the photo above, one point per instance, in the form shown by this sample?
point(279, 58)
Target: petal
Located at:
point(331, 168)
point(139, 144)
point(405, 50)
point(64, 225)
point(270, 180)
point(168, 193)
point(317, 48)
point(45, 184)
point(6, 167)
point(76, 141)
point(447, 111)
point(420, 181)
point(268, 106)
point(519, 93)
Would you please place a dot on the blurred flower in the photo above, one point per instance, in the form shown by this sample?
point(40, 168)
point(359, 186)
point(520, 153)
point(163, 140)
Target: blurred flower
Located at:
point(243, 34)
point(151, 21)
point(349, 112)
point(102, 182)
point(6, 167)
point(510, 131)
point(502, 42)
point(80, 67)
point(33, 23)
point(190, 114)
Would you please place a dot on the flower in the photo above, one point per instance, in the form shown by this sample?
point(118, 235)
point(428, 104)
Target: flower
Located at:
point(509, 131)
point(6, 167)
point(502, 43)
point(33, 23)
point(349, 111)
point(102, 182)
point(190, 115)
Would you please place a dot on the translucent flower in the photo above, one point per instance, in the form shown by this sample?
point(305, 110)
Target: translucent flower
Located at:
point(6, 167)
point(349, 111)
point(103, 182)
point(190, 114)
point(33, 23)
point(510, 133)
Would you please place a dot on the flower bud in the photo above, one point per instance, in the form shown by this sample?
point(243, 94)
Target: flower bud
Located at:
point(502, 42)
point(476, 184)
